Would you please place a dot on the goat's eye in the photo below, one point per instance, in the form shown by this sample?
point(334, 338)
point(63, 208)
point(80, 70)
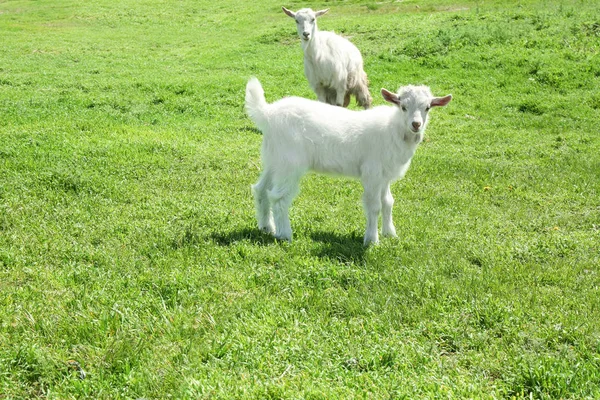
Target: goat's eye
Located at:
point(427, 109)
point(312, 20)
point(403, 108)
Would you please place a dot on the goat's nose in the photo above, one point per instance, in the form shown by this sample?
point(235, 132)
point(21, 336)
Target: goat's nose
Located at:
point(306, 34)
point(416, 124)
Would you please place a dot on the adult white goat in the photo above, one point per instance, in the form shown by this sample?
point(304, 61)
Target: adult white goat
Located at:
point(374, 145)
point(332, 65)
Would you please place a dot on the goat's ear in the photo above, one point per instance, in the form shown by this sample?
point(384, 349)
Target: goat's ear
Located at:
point(289, 12)
point(389, 96)
point(441, 101)
point(322, 12)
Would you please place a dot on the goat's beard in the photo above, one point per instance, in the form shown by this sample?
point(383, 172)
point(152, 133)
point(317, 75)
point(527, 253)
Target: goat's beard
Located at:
point(414, 137)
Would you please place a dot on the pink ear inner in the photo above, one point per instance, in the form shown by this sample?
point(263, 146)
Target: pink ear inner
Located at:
point(389, 96)
point(441, 101)
point(289, 12)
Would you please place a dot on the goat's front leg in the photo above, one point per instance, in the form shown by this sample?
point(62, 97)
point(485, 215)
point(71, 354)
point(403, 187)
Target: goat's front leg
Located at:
point(387, 201)
point(346, 100)
point(341, 97)
point(321, 93)
point(372, 204)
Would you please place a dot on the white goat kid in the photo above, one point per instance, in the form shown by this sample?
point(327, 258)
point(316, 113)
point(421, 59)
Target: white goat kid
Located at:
point(374, 145)
point(332, 65)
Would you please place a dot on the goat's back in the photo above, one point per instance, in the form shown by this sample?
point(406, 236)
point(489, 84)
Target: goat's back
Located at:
point(323, 137)
point(331, 54)
point(338, 45)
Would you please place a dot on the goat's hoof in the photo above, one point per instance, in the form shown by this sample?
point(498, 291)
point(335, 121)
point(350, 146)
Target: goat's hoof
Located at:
point(267, 229)
point(391, 234)
point(371, 241)
point(283, 238)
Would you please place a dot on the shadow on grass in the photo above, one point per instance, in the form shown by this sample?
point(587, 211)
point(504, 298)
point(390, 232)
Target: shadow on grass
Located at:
point(341, 247)
point(253, 129)
point(252, 235)
point(331, 245)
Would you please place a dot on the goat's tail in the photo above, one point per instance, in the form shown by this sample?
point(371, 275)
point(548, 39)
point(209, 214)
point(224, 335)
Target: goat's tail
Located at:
point(255, 102)
point(358, 85)
point(363, 97)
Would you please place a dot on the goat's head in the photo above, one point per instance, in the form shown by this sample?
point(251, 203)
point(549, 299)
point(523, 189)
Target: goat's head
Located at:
point(306, 22)
point(414, 102)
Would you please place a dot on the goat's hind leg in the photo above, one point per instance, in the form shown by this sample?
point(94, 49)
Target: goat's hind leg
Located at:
point(264, 215)
point(281, 197)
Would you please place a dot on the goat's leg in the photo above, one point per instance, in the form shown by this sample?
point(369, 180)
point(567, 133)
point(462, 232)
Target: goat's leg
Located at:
point(262, 204)
point(372, 204)
point(340, 98)
point(346, 100)
point(321, 93)
point(281, 197)
point(387, 201)
point(363, 97)
point(331, 96)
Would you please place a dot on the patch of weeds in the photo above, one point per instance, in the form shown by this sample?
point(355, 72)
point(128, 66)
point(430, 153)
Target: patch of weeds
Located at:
point(591, 29)
point(433, 62)
point(518, 16)
point(544, 249)
point(188, 238)
point(428, 45)
point(32, 366)
point(66, 182)
point(531, 107)
point(550, 77)
point(489, 315)
point(594, 101)
point(447, 345)
point(285, 36)
point(593, 67)
point(120, 107)
point(123, 355)
point(545, 377)
point(180, 90)
point(540, 22)
point(6, 153)
point(544, 75)
point(476, 261)
point(386, 360)
point(158, 100)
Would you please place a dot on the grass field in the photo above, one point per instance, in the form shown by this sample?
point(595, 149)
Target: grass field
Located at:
point(130, 263)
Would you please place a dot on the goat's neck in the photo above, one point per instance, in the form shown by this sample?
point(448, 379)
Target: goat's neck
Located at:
point(311, 48)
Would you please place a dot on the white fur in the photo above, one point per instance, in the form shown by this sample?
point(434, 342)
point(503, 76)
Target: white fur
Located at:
point(374, 145)
point(332, 65)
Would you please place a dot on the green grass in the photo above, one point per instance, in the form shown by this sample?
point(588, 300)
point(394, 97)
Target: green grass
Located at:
point(127, 233)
